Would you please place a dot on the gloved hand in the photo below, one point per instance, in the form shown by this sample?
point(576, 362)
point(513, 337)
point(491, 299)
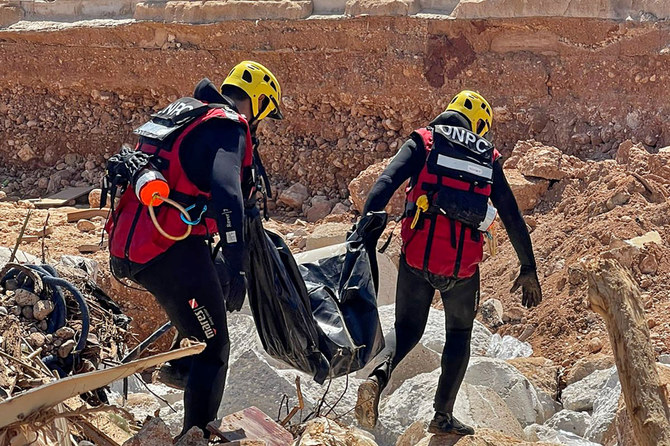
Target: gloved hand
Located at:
point(370, 227)
point(235, 290)
point(530, 285)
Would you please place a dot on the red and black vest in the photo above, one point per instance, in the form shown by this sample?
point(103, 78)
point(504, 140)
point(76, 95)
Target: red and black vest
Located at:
point(456, 181)
point(132, 234)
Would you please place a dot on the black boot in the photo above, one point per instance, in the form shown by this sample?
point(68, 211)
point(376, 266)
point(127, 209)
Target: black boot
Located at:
point(171, 375)
point(446, 423)
point(367, 405)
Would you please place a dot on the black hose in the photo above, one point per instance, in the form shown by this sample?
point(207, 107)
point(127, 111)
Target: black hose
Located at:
point(83, 307)
point(57, 317)
point(50, 279)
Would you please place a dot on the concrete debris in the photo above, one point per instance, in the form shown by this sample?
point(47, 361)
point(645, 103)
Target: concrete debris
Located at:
point(570, 421)
point(508, 347)
point(605, 407)
point(517, 392)
point(536, 432)
point(580, 395)
point(249, 378)
point(478, 405)
point(586, 366)
point(328, 234)
point(649, 237)
point(194, 437)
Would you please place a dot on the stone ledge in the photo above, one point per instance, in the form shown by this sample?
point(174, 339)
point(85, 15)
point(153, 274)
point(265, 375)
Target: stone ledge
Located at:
point(9, 15)
point(216, 11)
point(69, 10)
point(600, 9)
point(382, 7)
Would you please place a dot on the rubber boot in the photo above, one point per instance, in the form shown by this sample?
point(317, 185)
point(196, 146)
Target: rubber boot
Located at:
point(171, 376)
point(447, 424)
point(367, 405)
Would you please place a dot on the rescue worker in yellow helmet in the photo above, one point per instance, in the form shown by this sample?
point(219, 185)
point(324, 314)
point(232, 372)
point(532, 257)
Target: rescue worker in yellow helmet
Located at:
point(453, 171)
point(204, 147)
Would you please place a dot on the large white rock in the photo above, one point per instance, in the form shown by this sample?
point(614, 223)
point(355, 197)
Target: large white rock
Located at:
point(420, 360)
point(604, 407)
point(549, 405)
point(434, 334)
point(253, 382)
point(570, 421)
point(478, 406)
point(508, 347)
point(243, 336)
point(514, 388)
point(581, 395)
point(537, 432)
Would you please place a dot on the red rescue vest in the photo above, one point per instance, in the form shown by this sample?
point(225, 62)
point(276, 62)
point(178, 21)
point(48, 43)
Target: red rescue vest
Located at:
point(132, 234)
point(456, 182)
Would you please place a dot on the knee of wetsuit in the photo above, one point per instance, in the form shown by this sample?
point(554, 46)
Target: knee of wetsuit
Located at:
point(182, 365)
point(216, 352)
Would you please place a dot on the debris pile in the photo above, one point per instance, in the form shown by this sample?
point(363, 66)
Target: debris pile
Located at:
point(70, 326)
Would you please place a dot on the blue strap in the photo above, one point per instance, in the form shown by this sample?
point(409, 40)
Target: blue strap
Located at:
point(196, 222)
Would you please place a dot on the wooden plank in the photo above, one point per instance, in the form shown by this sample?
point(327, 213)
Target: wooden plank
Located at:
point(19, 407)
point(250, 424)
point(46, 203)
point(86, 214)
point(91, 248)
point(63, 198)
point(71, 193)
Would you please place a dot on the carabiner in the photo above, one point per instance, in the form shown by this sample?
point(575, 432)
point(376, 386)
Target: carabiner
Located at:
point(191, 222)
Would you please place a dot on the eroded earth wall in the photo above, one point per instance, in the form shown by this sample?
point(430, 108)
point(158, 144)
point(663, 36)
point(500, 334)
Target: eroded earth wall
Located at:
point(354, 88)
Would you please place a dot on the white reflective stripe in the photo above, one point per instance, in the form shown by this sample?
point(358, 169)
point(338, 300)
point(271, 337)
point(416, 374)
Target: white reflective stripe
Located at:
point(464, 166)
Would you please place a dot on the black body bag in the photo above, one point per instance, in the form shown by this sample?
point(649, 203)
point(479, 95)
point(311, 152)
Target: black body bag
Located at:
point(320, 318)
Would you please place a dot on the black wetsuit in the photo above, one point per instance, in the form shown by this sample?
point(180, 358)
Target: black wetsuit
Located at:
point(415, 288)
point(211, 156)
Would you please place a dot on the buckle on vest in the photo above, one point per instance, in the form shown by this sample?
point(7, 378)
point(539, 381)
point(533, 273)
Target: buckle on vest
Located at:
point(193, 222)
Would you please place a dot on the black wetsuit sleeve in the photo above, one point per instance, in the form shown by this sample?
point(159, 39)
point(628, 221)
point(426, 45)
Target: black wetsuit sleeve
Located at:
point(408, 162)
point(508, 209)
point(214, 162)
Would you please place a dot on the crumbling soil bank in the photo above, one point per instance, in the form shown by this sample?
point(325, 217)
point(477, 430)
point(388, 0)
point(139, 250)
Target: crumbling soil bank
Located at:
point(354, 88)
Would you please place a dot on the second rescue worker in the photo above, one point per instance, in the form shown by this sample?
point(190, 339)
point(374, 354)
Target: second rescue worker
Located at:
point(454, 170)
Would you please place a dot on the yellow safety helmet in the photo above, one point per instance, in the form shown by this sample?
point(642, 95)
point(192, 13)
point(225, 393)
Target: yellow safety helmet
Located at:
point(475, 108)
point(256, 81)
